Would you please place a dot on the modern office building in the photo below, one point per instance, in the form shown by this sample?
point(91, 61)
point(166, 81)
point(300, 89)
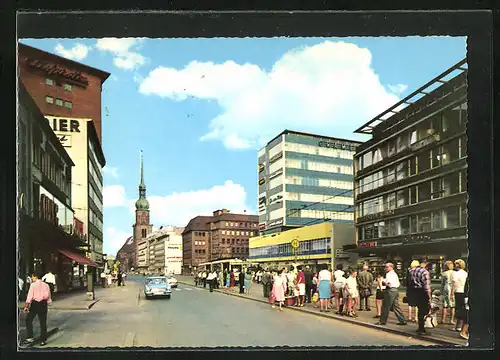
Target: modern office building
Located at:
point(62, 87)
point(305, 179)
point(411, 177)
point(165, 251)
point(221, 236)
point(318, 244)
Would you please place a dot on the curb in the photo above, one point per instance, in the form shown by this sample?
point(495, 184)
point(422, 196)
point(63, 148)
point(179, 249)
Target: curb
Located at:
point(37, 340)
point(361, 323)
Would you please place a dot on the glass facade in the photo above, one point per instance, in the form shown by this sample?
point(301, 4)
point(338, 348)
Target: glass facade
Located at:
point(64, 214)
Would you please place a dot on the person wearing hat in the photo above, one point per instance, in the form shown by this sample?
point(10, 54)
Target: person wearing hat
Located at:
point(410, 293)
point(420, 283)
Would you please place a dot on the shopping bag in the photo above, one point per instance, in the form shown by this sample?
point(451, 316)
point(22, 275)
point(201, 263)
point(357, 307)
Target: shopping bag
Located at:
point(315, 297)
point(430, 321)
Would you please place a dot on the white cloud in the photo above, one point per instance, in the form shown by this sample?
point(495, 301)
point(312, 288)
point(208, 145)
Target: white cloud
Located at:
point(398, 89)
point(114, 239)
point(114, 195)
point(77, 52)
point(178, 208)
point(121, 48)
point(111, 171)
point(327, 88)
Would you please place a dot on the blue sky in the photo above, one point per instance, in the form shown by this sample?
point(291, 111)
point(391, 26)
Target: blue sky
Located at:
point(200, 109)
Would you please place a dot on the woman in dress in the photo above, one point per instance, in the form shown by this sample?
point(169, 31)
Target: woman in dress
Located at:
point(248, 280)
point(279, 288)
point(379, 296)
point(410, 293)
point(351, 292)
point(458, 280)
point(325, 281)
point(447, 303)
point(232, 282)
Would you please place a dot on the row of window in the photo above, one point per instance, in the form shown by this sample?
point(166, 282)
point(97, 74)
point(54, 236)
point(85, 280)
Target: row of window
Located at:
point(93, 173)
point(318, 166)
point(96, 243)
point(316, 150)
point(199, 233)
point(241, 224)
point(309, 181)
point(446, 121)
point(447, 218)
point(447, 185)
point(93, 195)
point(51, 168)
point(316, 246)
point(324, 199)
point(200, 243)
point(94, 156)
point(323, 214)
point(430, 159)
point(238, 233)
point(200, 251)
point(52, 82)
point(235, 241)
point(94, 219)
point(58, 102)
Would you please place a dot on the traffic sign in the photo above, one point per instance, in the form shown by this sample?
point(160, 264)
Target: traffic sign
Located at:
point(295, 243)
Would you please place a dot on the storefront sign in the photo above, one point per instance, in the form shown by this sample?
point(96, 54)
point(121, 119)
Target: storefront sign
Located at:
point(367, 244)
point(48, 210)
point(276, 157)
point(276, 222)
point(416, 238)
point(337, 145)
point(262, 226)
point(52, 69)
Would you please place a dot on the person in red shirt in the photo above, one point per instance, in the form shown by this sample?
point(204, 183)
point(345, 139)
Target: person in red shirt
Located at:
point(301, 283)
point(37, 304)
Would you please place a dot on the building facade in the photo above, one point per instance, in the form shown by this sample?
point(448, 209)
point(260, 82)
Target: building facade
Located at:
point(50, 237)
point(142, 228)
point(305, 179)
point(321, 243)
point(62, 87)
point(79, 139)
point(221, 236)
point(164, 248)
point(126, 255)
point(411, 177)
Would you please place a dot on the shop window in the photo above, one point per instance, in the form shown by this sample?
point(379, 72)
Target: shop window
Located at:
point(402, 170)
point(451, 184)
point(436, 188)
point(424, 191)
point(463, 146)
point(413, 195)
point(451, 217)
point(437, 223)
point(402, 142)
point(49, 99)
point(424, 222)
point(403, 198)
point(59, 102)
point(424, 161)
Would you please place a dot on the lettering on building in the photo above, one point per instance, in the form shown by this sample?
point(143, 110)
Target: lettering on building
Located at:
point(276, 222)
point(367, 244)
point(337, 145)
point(64, 125)
point(48, 210)
point(52, 69)
point(262, 226)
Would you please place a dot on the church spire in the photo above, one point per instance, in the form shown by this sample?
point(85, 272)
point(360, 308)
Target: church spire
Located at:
point(141, 184)
point(142, 203)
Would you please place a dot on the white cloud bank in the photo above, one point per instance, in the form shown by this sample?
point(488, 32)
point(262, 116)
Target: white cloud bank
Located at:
point(325, 88)
point(114, 195)
point(77, 52)
point(114, 239)
point(111, 171)
point(121, 48)
point(398, 88)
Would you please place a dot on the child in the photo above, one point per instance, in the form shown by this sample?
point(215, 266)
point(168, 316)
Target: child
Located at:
point(431, 319)
point(315, 299)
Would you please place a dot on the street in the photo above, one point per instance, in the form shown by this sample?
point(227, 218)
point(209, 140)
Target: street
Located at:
point(194, 317)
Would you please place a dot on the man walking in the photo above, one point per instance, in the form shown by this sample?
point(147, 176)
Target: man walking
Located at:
point(420, 283)
point(309, 283)
point(365, 281)
point(37, 304)
point(266, 283)
point(204, 278)
point(211, 280)
point(391, 296)
point(50, 279)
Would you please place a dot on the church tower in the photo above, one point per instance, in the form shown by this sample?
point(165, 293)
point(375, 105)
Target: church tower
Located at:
point(142, 227)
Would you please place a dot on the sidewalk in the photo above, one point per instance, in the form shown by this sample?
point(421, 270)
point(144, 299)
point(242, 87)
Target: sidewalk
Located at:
point(74, 300)
point(441, 335)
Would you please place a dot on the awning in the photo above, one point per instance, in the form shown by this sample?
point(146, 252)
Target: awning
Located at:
point(77, 257)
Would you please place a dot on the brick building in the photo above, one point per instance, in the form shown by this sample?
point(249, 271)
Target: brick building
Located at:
point(221, 236)
point(62, 87)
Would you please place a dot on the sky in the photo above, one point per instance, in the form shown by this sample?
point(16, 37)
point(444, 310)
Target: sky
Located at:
point(200, 109)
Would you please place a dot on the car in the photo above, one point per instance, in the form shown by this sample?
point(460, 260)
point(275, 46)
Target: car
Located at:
point(157, 286)
point(172, 281)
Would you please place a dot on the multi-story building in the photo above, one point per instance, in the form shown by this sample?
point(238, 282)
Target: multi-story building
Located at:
point(316, 244)
point(50, 236)
point(221, 236)
point(305, 179)
point(411, 177)
point(142, 228)
point(79, 138)
point(165, 250)
point(126, 255)
point(62, 87)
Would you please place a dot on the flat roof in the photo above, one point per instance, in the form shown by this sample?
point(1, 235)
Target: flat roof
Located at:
point(293, 132)
point(424, 90)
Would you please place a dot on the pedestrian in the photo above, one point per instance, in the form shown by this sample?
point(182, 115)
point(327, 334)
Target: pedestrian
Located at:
point(124, 276)
point(225, 278)
point(446, 286)
point(120, 278)
point(103, 279)
point(290, 276)
point(458, 280)
point(20, 285)
point(325, 282)
point(308, 275)
point(211, 280)
point(248, 281)
point(379, 294)
point(37, 304)
point(419, 285)
point(279, 288)
point(391, 296)
point(196, 277)
point(339, 284)
point(267, 283)
point(241, 281)
point(50, 279)
point(232, 280)
point(412, 305)
point(204, 278)
point(351, 293)
point(315, 288)
point(464, 334)
point(221, 280)
point(301, 285)
point(365, 282)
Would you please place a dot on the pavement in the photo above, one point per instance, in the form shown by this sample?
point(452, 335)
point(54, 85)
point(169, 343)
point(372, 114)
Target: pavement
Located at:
point(440, 335)
point(193, 317)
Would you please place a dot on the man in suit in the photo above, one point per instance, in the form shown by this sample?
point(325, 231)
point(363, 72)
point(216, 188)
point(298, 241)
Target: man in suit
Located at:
point(309, 283)
point(267, 283)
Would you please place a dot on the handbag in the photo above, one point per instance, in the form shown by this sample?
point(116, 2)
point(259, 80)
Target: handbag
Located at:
point(315, 297)
point(405, 299)
point(271, 299)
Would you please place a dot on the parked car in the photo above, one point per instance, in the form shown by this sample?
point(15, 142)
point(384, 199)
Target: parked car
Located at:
point(157, 286)
point(172, 281)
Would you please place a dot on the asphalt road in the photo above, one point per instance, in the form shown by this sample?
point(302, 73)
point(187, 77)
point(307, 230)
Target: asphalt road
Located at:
point(194, 317)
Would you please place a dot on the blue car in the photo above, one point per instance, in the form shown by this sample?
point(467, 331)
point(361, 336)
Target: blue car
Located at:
point(157, 286)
